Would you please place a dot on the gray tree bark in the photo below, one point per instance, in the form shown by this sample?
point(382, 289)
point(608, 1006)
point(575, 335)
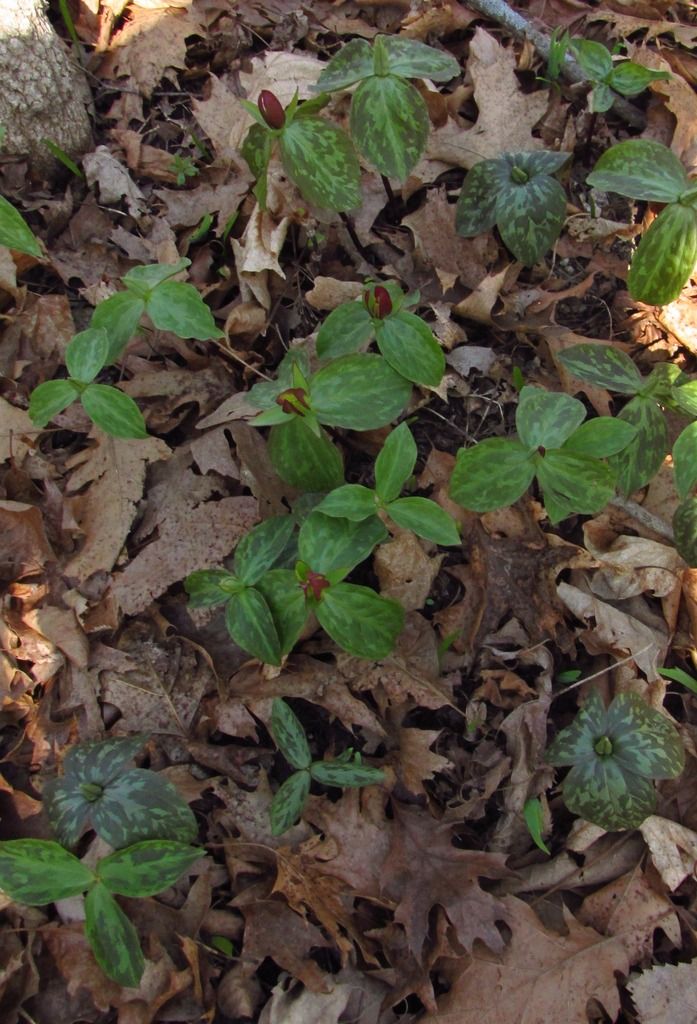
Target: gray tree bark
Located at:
point(43, 92)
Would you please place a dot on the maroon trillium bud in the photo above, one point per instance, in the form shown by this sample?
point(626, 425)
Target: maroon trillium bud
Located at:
point(270, 109)
point(378, 302)
point(293, 400)
point(315, 582)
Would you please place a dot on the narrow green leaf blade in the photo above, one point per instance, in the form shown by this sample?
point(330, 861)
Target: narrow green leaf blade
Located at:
point(114, 412)
point(15, 233)
point(360, 392)
point(685, 460)
point(426, 519)
point(113, 938)
point(361, 621)
point(334, 773)
point(50, 398)
point(685, 530)
point(395, 463)
point(261, 547)
point(286, 601)
point(547, 418)
point(347, 328)
point(530, 217)
point(640, 169)
point(119, 316)
point(475, 212)
point(142, 805)
point(87, 353)
point(604, 366)
point(320, 160)
point(666, 257)
point(146, 868)
point(677, 675)
point(408, 345)
point(389, 124)
point(289, 735)
point(494, 473)
point(532, 813)
point(352, 501)
point(250, 624)
point(353, 62)
point(327, 544)
point(39, 871)
point(287, 804)
point(303, 459)
point(178, 307)
point(601, 437)
point(636, 464)
point(413, 59)
point(644, 741)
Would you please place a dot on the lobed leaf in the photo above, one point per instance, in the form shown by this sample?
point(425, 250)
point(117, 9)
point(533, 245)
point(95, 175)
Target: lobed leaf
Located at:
point(327, 544)
point(685, 530)
point(352, 501)
point(360, 621)
point(304, 460)
point(15, 233)
point(636, 464)
point(286, 602)
point(601, 437)
point(685, 460)
point(475, 212)
point(494, 473)
point(141, 805)
point(113, 412)
point(547, 418)
point(644, 741)
point(259, 549)
point(287, 804)
point(413, 59)
point(319, 158)
point(39, 871)
point(640, 169)
point(50, 398)
point(250, 624)
point(389, 124)
point(289, 735)
point(426, 519)
point(666, 256)
point(179, 308)
point(353, 62)
point(113, 938)
point(408, 345)
point(395, 463)
point(530, 217)
point(604, 366)
point(334, 773)
point(359, 392)
point(347, 329)
point(147, 868)
point(87, 354)
point(119, 316)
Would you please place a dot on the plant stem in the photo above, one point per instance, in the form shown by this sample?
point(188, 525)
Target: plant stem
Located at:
point(348, 224)
point(388, 188)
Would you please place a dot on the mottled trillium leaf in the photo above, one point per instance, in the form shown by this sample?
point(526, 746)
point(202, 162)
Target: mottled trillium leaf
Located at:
point(684, 393)
point(574, 483)
point(547, 418)
point(67, 809)
point(250, 624)
point(289, 735)
point(408, 345)
point(541, 161)
point(475, 212)
point(86, 354)
point(259, 549)
point(287, 804)
point(319, 158)
point(144, 279)
point(113, 938)
point(630, 79)
point(389, 124)
point(15, 233)
point(685, 530)
point(640, 169)
point(332, 773)
point(532, 813)
point(575, 743)
point(353, 62)
point(39, 871)
point(101, 761)
point(685, 460)
point(636, 464)
point(328, 544)
point(644, 741)
point(600, 98)
point(352, 501)
point(119, 316)
point(50, 398)
point(256, 150)
point(395, 463)
point(599, 791)
point(424, 518)
point(594, 58)
point(410, 58)
point(113, 412)
point(146, 868)
point(360, 621)
point(494, 473)
point(286, 600)
point(141, 805)
point(360, 392)
point(347, 329)
point(604, 366)
point(179, 308)
point(601, 437)
point(208, 587)
point(304, 460)
point(666, 256)
point(530, 217)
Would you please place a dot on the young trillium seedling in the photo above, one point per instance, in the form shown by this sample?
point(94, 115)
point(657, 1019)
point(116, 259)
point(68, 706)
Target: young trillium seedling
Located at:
point(609, 78)
point(346, 770)
point(615, 754)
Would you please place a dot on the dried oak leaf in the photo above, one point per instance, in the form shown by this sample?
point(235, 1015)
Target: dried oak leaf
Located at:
point(630, 908)
point(272, 929)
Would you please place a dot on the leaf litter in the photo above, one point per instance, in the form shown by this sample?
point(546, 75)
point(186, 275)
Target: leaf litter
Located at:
point(424, 899)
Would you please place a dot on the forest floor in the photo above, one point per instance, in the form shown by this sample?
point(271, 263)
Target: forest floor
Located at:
point(423, 899)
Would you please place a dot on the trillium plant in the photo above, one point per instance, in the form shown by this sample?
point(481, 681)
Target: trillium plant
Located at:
point(608, 77)
point(347, 770)
point(615, 754)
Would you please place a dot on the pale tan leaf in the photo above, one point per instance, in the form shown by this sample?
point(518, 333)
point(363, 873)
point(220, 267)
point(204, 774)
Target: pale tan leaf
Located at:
point(673, 849)
point(666, 994)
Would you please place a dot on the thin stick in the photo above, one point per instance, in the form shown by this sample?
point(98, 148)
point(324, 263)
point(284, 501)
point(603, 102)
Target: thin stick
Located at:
point(643, 516)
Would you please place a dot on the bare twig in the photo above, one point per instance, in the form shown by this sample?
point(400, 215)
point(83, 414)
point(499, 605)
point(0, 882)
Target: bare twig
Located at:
point(643, 516)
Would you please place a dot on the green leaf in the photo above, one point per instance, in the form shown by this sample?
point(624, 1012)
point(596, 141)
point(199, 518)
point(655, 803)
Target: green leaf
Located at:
point(547, 418)
point(286, 601)
point(119, 316)
point(426, 519)
point(347, 328)
point(666, 256)
point(574, 483)
point(101, 761)
point(142, 280)
point(475, 212)
point(412, 59)
point(532, 813)
point(395, 463)
point(685, 395)
point(644, 741)
point(261, 547)
point(678, 676)
point(630, 79)
point(360, 392)
point(50, 398)
point(659, 383)
point(601, 437)
point(86, 354)
point(38, 871)
point(685, 460)
point(640, 169)
point(256, 150)
point(576, 743)
point(539, 161)
point(178, 307)
point(685, 530)
point(408, 345)
point(15, 233)
point(66, 808)
point(114, 412)
point(289, 735)
point(530, 217)
point(353, 62)
point(389, 124)
point(208, 587)
point(250, 624)
point(142, 805)
point(360, 621)
point(494, 473)
point(636, 464)
point(600, 98)
point(320, 160)
point(147, 868)
point(604, 366)
point(328, 544)
point(352, 501)
point(599, 791)
point(113, 938)
point(333, 773)
point(287, 804)
point(303, 459)
point(594, 58)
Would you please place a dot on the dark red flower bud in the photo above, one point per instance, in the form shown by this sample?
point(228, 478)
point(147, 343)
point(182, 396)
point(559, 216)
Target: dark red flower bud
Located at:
point(316, 583)
point(378, 302)
point(270, 109)
point(293, 400)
